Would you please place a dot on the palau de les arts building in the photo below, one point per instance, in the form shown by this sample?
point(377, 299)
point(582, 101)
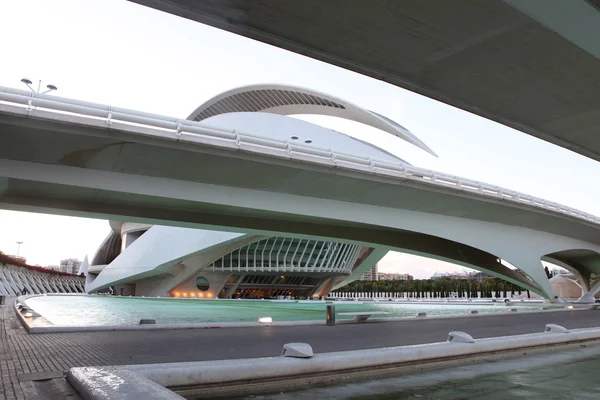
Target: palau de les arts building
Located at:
point(145, 260)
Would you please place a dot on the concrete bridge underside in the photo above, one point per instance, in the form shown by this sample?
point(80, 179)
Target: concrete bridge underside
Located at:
point(69, 168)
point(530, 64)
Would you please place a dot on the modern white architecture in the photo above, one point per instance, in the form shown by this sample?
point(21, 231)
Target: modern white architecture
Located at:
point(17, 278)
point(207, 263)
point(260, 187)
point(139, 259)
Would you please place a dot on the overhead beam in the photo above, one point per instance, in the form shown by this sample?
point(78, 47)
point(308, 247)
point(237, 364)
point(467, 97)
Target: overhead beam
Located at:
point(528, 64)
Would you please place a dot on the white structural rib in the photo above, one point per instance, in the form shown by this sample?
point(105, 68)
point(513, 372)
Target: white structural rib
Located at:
point(247, 260)
point(289, 100)
point(13, 279)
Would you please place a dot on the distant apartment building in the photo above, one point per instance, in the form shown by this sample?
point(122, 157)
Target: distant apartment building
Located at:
point(370, 275)
point(382, 276)
point(70, 265)
point(461, 275)
point(451, 275)
point(479, 276)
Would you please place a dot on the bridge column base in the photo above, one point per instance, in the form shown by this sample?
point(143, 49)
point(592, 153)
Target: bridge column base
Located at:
point(586, 298)
point(555, 300)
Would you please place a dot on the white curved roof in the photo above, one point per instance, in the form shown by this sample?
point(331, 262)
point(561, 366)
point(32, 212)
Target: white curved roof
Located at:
point(288, 100)
point(302, 132)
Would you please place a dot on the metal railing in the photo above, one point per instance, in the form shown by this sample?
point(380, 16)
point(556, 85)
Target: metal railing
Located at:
point(201, 133)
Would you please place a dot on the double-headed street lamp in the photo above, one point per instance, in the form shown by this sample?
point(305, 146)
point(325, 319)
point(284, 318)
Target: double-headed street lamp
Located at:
point(28, 82)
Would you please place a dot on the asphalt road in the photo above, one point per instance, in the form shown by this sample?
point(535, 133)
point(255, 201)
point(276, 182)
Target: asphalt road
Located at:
point(227, 343)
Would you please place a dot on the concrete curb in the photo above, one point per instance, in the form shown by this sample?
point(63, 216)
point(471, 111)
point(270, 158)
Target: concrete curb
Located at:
point(96, 383)
point(231, 372)
point(20, 300)
point(221, 372)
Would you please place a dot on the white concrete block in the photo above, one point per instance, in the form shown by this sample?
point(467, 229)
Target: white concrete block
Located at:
point(556, 328)
point(298, 350)
point(460, 337)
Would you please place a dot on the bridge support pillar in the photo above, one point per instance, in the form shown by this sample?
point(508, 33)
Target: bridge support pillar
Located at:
point(589, 295)
point(555, 300)
point(586, 298)
point(532, 266)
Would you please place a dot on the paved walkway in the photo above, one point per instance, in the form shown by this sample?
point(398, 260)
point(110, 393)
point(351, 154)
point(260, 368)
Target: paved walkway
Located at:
point(22, 355)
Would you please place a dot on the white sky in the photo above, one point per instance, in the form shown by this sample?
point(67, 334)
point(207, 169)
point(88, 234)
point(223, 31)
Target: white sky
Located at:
point(119, 53)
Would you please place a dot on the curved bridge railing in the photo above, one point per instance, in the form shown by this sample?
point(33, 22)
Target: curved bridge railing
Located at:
point(201, 133)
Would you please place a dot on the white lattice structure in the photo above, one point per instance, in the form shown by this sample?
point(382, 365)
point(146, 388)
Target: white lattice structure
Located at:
point(281, 254)
point(13, 279)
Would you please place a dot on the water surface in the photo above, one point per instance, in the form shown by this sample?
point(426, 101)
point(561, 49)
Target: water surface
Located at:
point(111, 310)
point(561, 375)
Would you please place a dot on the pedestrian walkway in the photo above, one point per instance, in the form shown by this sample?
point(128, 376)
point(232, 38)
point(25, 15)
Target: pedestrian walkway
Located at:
point(23, 356)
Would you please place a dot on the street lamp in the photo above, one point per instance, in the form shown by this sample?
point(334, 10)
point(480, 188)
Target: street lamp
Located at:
point(28, 83)
point(19, 248)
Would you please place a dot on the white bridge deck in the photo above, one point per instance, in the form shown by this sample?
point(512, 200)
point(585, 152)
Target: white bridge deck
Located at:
point(181, 130)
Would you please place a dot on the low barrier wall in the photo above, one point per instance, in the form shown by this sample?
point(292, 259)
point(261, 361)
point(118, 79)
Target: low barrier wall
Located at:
point(231, 372)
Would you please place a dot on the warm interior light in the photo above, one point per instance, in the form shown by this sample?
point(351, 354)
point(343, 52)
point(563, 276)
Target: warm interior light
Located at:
point(200, 294)
point(28, 314)
point(184, 294)
point(569, 307)
point(209, 295)
point(176, 294)
point(265, 319)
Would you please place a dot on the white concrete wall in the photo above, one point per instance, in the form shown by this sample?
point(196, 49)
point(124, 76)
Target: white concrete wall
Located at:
point(156, 252)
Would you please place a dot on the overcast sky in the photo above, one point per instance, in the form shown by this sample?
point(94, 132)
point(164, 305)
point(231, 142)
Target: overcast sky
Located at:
point(122, 54)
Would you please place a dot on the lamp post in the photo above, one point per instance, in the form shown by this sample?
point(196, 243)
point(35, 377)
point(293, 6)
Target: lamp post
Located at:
point(28, 83)
point(19, 248)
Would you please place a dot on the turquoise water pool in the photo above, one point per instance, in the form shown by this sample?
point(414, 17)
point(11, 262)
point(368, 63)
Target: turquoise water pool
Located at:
point(101, 310)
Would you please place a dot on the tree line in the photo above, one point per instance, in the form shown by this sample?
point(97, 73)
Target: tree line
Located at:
point(438, 288)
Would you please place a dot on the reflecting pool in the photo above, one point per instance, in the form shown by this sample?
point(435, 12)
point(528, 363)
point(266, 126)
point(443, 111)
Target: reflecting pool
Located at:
point(110, 310)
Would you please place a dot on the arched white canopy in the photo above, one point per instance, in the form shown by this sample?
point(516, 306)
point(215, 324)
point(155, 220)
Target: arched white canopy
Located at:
point(288, 100)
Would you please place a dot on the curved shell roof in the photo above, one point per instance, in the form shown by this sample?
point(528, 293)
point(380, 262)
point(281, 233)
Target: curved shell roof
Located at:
point(300, 131)
point(288, 100)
